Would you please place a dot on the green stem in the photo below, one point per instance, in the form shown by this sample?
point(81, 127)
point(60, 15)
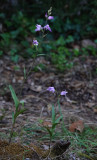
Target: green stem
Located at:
point(86, 156)
point(11, 133)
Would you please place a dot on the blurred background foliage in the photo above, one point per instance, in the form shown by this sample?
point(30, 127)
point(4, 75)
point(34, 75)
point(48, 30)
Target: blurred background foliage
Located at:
point(78, 18)
point(73, 21)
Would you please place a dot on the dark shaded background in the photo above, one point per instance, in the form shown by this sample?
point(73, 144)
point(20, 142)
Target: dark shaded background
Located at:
point(70, 16)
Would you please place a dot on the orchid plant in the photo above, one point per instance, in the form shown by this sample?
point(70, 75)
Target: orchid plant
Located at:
point(55, 121)
point(19, 110)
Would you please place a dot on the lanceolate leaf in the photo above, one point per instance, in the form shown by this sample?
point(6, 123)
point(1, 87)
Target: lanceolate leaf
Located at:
point(16, 100)
point(58, 119)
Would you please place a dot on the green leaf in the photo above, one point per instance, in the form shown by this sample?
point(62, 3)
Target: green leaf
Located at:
point(15, 58)
point(57, 120)
point(40, 55)
point(18, 113)
point(53, 126)
point(22, 103)
point(16, 100)
point(60, 41)
point(14, 33)
point(22, 111)
point(49, 131)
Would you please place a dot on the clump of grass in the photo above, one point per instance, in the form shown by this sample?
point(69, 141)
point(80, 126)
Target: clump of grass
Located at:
point(83, 145)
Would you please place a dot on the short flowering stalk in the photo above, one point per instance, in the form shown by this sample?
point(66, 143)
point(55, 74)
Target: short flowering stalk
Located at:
point(52, 89)
point(55, 121)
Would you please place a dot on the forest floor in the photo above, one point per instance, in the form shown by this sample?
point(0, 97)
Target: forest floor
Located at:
point(80, 104)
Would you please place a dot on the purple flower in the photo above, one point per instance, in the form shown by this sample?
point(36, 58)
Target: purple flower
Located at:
point(63, 93)
point(38, 27)
point(47, 27)
point(35, 42)
point(50, 17)
point(46, 15)
point(51, 89)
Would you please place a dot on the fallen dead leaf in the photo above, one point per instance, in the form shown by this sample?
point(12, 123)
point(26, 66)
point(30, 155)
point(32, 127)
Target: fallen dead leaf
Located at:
point(89, 104)
point(49, 107)
point(78, 125)
point(87, 42)
point(71, 101)
point(36, 88)
point(95, 110)
point(75, 46)
point(78, 84)
point(47, 124)
point(39, 88)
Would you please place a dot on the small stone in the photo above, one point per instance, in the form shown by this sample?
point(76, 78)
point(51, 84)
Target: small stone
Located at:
point(87, 42)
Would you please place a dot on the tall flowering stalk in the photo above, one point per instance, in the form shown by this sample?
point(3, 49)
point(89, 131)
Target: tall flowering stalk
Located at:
point(41, 29)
